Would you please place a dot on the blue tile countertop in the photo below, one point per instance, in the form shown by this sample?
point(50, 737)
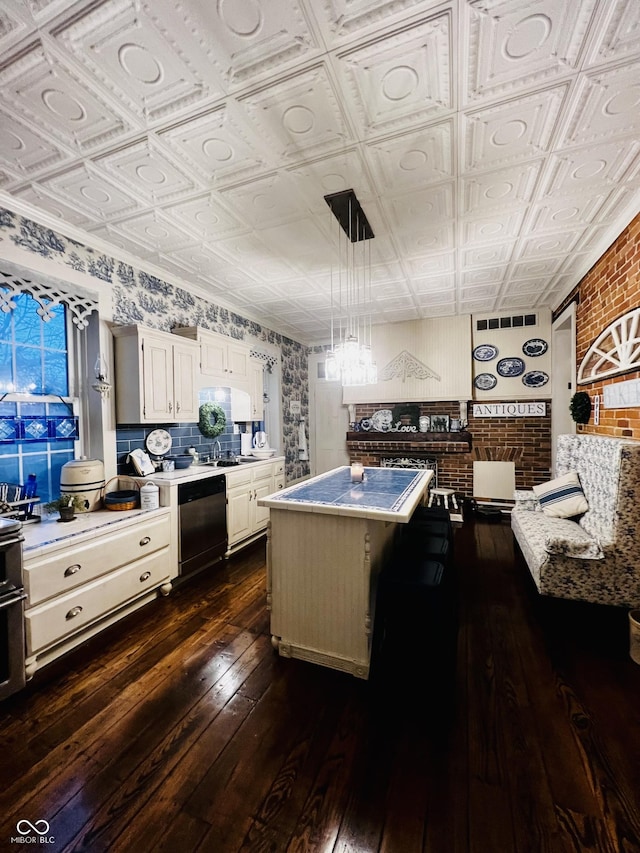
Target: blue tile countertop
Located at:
point(387, 494)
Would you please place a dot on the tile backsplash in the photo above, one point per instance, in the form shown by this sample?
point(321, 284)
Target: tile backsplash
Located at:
point(183, 436)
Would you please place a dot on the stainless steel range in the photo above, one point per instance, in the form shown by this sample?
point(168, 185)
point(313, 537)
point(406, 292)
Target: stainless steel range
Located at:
point(12, 596)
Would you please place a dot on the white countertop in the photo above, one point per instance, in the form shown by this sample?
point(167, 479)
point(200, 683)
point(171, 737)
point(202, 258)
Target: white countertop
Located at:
point(201, 472)
point(51, 534)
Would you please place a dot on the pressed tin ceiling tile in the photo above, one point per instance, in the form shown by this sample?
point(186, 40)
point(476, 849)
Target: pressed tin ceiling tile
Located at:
point(494, 144)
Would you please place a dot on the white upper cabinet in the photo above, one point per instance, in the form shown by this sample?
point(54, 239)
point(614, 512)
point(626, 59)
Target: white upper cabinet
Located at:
point(227, 362)
point(222, 359)
point(155, 376)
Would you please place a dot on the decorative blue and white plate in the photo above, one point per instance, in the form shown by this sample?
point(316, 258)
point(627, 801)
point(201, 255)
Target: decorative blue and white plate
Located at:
point(485, 381)
point(485, 352)
point(510, 366)
point(535, 379)
point(535, 347)
point(159, 442)
point(365, 424)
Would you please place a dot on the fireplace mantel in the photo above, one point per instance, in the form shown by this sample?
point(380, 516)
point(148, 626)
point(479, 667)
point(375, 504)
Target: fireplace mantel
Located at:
point(414, 442)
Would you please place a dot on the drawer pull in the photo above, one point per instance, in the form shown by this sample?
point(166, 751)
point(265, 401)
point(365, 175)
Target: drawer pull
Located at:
point(145, 576)
point(75, 611)
point(145, 540)
point(71, 570)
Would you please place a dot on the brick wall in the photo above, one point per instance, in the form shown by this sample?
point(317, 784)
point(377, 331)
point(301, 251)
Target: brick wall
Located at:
point(610, 289)
point(525, 441)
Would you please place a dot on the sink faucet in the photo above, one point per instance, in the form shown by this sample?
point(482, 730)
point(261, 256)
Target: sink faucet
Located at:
point(216, 450)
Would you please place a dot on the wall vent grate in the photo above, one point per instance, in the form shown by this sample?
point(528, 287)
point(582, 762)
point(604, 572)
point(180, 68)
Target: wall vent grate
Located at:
point(515, 322)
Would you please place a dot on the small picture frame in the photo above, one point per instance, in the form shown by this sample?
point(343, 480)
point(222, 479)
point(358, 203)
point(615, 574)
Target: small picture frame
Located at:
point(439, 423)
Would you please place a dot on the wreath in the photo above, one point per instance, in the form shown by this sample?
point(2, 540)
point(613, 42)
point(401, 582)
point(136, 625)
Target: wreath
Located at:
point(212, 420)
point(580, 407)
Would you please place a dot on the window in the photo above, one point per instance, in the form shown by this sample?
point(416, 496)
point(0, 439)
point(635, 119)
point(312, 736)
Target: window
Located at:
point(36, 433)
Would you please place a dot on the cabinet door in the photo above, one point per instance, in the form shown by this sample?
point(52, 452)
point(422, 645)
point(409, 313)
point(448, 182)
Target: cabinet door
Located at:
point(157, 359)
point(213, 357)
point(261, 513)
point(184, 382)
point(239, 514)
point(256, 385)
point(237, 363)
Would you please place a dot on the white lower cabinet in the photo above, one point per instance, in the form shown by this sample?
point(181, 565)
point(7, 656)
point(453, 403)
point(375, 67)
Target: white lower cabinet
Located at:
point(76, 591)
point(65, 614)
point(278, 475)
point(246, 520)
point(238, 506)
point(262, 486)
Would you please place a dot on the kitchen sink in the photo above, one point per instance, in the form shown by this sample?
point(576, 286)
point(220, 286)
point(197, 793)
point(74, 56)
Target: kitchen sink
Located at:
point(229, 463)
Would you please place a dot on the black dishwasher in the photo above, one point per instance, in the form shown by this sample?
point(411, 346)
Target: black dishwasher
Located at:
point(202, 520)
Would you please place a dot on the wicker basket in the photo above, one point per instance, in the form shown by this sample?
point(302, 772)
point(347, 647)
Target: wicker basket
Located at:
point(121, 499)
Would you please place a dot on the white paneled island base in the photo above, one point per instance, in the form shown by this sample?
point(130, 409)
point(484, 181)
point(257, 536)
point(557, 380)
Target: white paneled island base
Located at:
point(327, 542)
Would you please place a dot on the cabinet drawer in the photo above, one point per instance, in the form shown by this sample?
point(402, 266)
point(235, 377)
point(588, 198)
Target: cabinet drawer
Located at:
point(65, 570)
point(239, 478)
point(278, 467)
point(264, 472)
point(53, 621)
point(278, 483)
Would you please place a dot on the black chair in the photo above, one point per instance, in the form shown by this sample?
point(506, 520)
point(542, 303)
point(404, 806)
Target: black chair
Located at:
point(430, 513)
point(416, 542)
point(437, 527)
point(416, 629)
point(431, 521)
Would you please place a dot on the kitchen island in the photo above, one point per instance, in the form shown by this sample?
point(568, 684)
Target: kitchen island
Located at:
point(327, 541)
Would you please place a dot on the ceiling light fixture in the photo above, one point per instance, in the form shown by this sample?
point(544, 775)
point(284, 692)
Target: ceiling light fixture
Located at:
point(350, 359)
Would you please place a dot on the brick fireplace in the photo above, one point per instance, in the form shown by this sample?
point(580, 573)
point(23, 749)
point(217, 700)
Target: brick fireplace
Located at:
point(525, 441)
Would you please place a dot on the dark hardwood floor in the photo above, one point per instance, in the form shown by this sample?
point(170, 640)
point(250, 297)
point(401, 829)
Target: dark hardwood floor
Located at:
point(180, 729)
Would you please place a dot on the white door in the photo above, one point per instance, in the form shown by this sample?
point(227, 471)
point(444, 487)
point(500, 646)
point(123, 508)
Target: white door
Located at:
point(563, 369)
point(328, 422)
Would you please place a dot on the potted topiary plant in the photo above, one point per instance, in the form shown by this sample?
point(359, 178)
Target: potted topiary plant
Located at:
point(66, 505)
point(580, 407)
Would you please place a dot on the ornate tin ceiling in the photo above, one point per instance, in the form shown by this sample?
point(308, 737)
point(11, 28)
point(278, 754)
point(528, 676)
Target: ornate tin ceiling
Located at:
point(494, 144)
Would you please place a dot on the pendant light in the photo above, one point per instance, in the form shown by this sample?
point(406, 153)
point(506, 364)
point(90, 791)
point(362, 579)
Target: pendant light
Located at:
point(350, 358)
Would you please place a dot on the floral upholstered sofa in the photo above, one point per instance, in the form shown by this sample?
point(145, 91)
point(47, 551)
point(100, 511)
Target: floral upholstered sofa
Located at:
point(594, 556)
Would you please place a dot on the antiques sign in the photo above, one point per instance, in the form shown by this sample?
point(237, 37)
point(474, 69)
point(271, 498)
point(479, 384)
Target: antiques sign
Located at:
point(509, 410)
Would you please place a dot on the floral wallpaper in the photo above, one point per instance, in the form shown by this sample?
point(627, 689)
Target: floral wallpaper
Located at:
point(144, 299)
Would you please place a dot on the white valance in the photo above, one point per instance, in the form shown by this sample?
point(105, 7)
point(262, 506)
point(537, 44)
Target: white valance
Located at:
point(47, 292)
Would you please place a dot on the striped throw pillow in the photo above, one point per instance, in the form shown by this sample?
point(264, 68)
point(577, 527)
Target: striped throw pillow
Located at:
point(562, 497)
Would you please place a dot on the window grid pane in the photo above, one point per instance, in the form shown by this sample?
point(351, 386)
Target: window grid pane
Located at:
point(34, 357)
